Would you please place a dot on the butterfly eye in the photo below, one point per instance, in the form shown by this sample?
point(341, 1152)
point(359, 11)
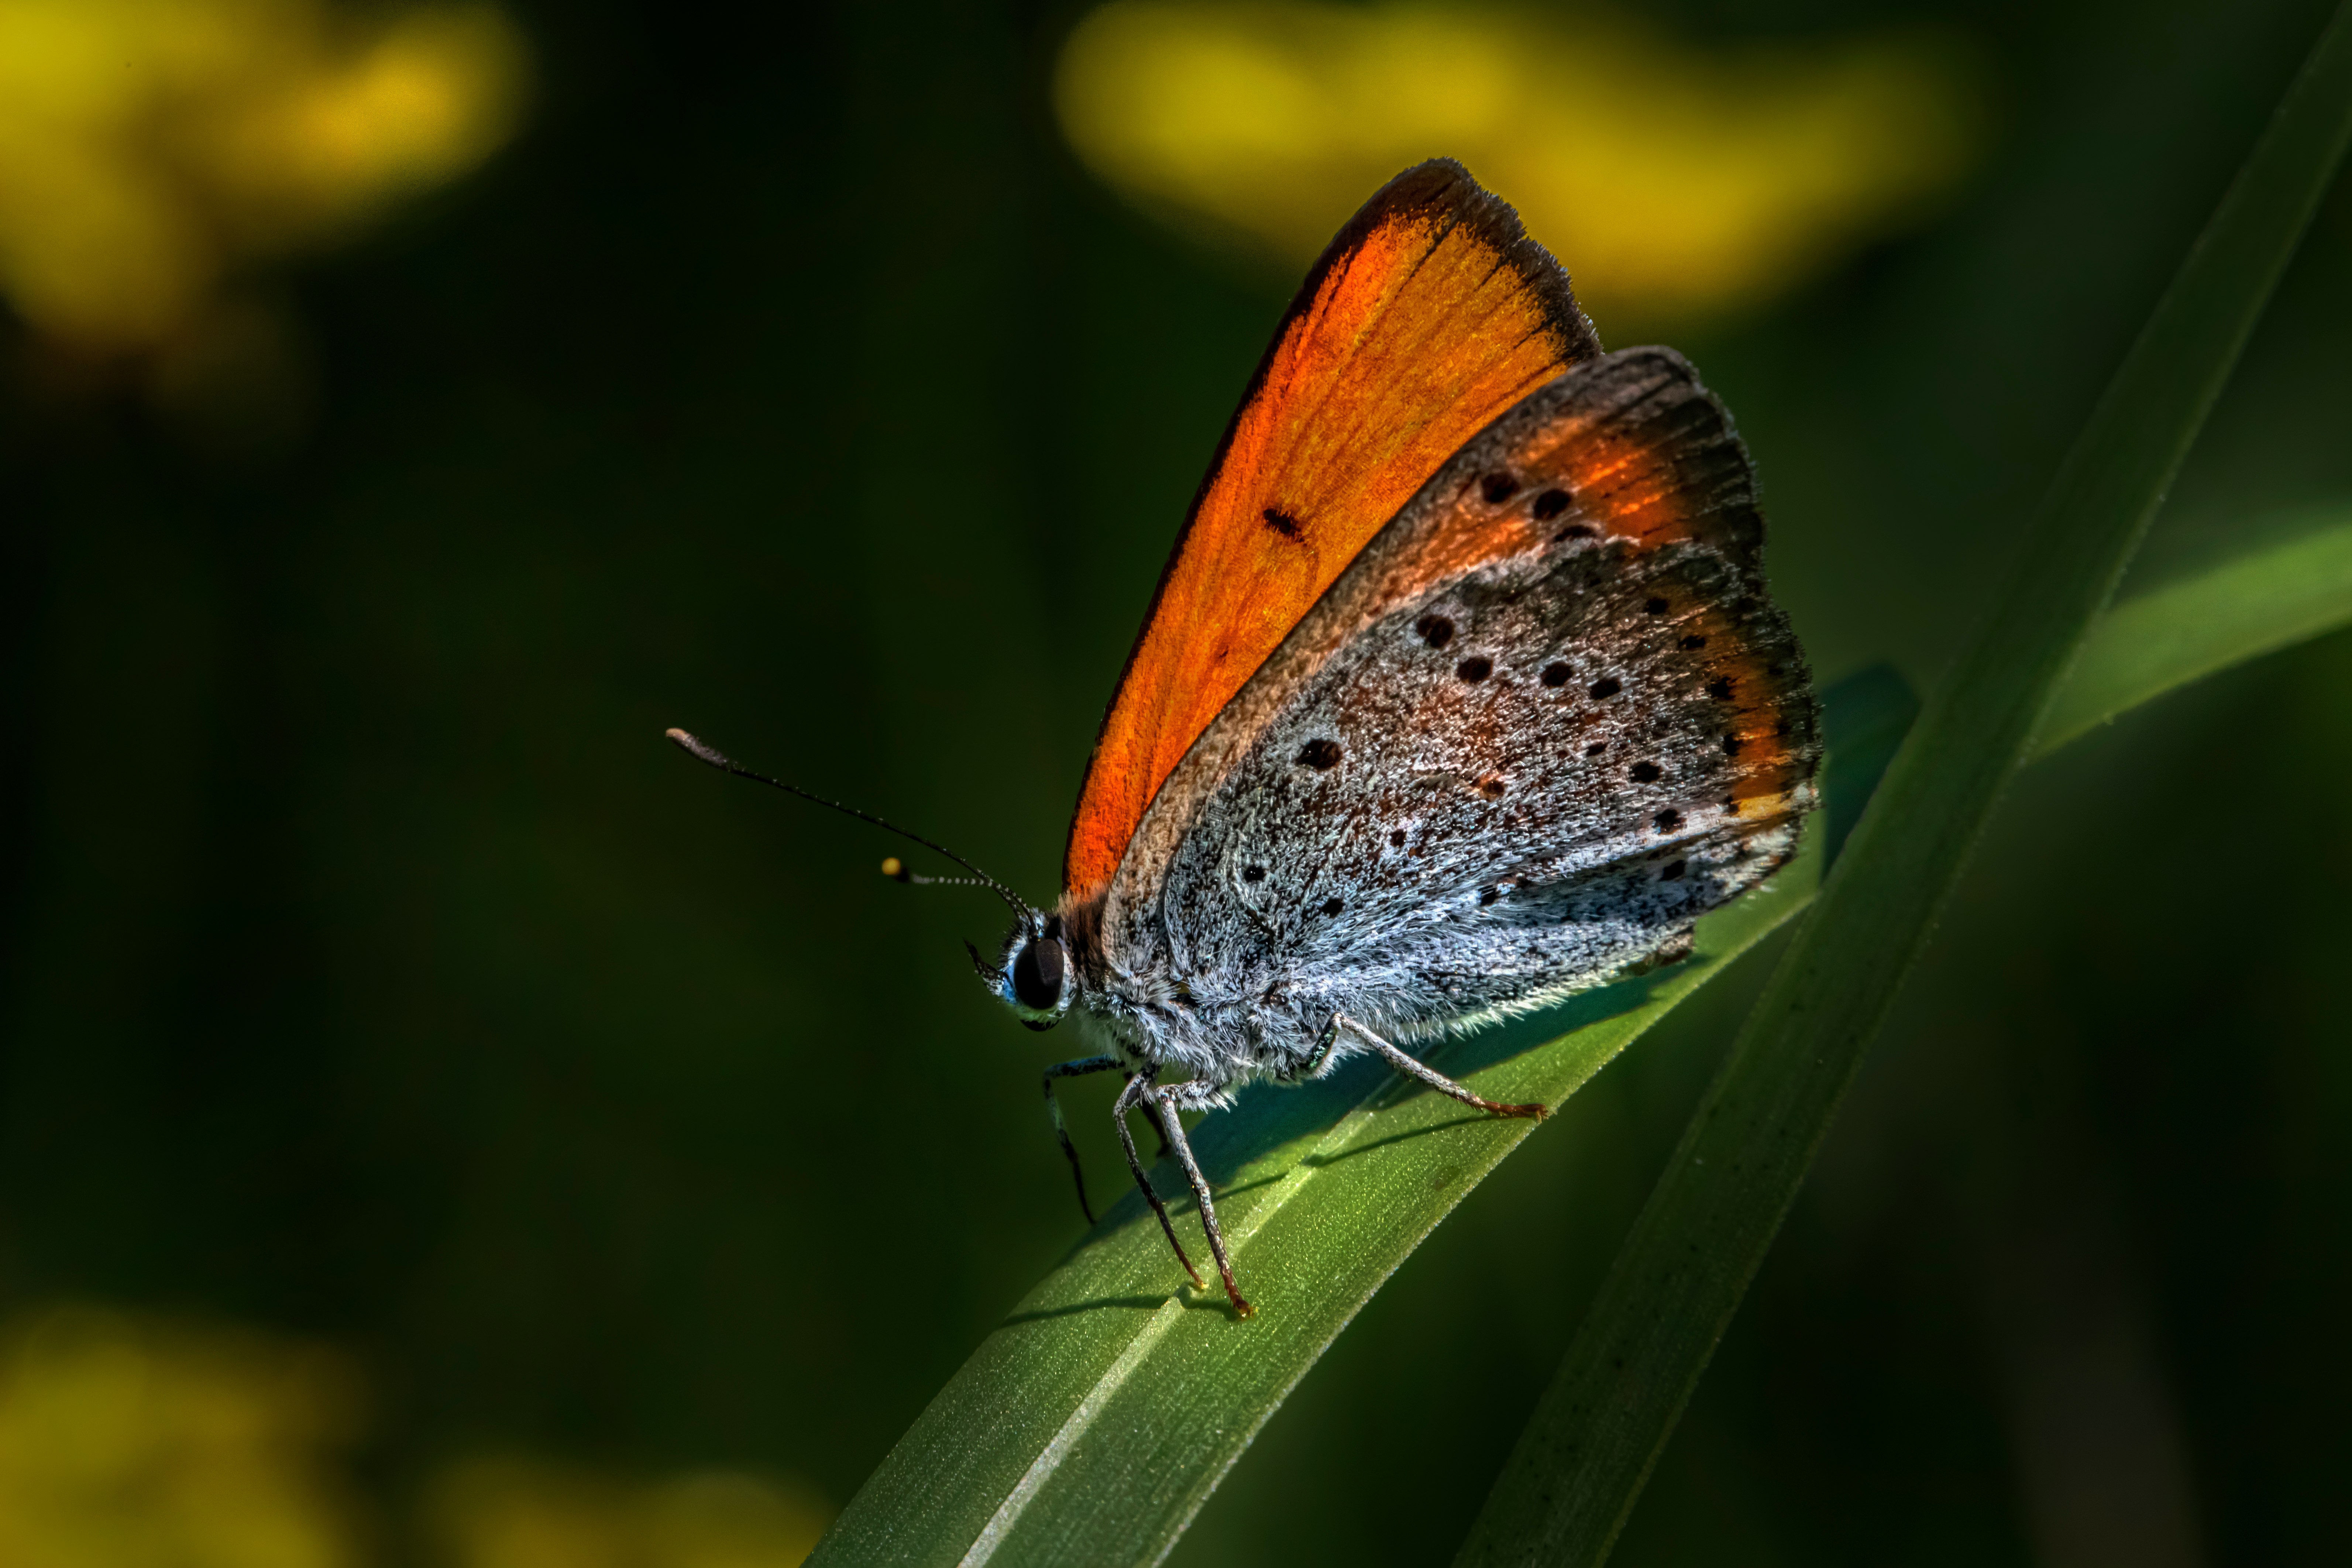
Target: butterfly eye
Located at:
point(1037, 972)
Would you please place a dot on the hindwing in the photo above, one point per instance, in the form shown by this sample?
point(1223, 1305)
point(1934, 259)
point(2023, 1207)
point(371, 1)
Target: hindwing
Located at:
point(1546, 719)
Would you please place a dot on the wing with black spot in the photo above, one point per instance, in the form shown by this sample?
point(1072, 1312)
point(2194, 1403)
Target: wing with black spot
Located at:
point(1546, 718)
point(1431, 313)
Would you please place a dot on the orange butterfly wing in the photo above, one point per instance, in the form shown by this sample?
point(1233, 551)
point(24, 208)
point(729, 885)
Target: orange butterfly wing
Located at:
point(1430, 315)
point(1627, 447)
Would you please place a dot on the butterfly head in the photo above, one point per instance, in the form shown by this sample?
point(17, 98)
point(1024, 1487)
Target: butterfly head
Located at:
point(1033, 974)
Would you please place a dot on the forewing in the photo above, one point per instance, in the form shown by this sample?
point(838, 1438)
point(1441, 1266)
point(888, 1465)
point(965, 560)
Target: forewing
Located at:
point(1430, 315)
point(1546, 718)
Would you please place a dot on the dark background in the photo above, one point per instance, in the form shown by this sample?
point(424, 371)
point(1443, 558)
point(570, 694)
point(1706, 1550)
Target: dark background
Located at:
point(374, 972)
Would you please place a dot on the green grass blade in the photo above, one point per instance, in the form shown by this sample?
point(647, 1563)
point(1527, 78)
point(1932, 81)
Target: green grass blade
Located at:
point(1089, 1375)
point(1092, 1425)
point(1078, 1373)
point(2196, 626)
point(1579, 1467)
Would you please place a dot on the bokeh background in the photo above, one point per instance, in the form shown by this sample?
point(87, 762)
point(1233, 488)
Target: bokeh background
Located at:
point(440, 1124)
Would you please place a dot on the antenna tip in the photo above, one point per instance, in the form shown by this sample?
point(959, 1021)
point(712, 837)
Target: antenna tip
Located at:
point(696, 749)
point(896, 869)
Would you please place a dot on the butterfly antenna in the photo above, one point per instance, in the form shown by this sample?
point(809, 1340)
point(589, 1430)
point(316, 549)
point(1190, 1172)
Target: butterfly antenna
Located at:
point(891, 867)
point(898, 870)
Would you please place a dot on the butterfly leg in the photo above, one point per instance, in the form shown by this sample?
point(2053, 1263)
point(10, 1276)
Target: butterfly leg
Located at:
point(1079, 1068)
point(1316, 1065)
point(1138, 1090)
point(1430, 1076)
point(1197, 1096)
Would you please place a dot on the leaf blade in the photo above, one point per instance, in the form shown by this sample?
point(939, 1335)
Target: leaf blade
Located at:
point(1046, 1448)
point(1581, 1462)
point(2182, 631)
point(975, 1466)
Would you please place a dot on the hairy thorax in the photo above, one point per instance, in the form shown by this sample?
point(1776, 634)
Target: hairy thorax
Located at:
point(1226, 1026)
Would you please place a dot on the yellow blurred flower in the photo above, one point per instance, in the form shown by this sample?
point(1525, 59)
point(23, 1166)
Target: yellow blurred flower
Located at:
point(146, 146)
point(518, 1514)
point(1672, 182)
point(129, 1444)
point(138, 1442)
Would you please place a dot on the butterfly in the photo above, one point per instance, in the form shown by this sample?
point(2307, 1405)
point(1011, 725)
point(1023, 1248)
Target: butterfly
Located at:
point(1460, 692)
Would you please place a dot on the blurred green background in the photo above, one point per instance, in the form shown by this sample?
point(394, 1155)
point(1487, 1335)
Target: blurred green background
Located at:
point(379, 988)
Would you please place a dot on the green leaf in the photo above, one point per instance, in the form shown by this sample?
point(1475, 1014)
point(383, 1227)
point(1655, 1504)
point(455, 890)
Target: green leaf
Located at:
point(1579, 1464)
point(1087, 1428)
point(2196, 626)
point(1071, 1376)
point(1092, 1425)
